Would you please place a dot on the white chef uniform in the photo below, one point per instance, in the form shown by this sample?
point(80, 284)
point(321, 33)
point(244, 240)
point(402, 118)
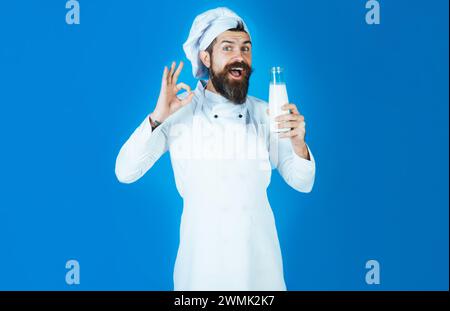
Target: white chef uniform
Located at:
point(228, 237)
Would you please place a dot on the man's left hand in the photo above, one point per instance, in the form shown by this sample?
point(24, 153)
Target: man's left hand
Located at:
point(296, 123)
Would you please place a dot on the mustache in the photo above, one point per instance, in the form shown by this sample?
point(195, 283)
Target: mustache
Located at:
point(243, 65)
point(235, 91)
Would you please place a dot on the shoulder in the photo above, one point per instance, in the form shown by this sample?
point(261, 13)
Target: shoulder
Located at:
point(257, 106)
point(257, 102)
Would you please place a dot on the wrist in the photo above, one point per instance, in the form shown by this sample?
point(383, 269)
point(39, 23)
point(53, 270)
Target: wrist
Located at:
point(157, 116)
point(153, 122)
point(302, 150)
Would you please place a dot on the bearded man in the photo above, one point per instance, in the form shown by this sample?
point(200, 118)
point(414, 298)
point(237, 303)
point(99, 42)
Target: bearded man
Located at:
point(222, 155)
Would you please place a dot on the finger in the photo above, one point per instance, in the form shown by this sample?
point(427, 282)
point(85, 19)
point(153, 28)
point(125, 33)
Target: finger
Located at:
point(291, 107)
point(293, 124)
point(288, 124)
point(290, 117)
point(172, 68)
point(177, 73)
point(187, 99)
point(164, 77)
point(291, 133)
point(184, 86)
point(302, 125)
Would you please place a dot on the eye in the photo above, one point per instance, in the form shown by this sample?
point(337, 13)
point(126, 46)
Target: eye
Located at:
point(227, 48)
point(246, 49)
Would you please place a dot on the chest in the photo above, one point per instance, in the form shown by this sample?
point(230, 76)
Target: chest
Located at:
point(220, 157)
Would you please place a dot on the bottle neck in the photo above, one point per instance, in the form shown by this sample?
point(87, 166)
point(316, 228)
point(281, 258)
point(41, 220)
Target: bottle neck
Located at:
point(277, 77)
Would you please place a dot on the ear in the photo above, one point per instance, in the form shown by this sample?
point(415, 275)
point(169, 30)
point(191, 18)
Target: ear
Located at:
point(205, 58)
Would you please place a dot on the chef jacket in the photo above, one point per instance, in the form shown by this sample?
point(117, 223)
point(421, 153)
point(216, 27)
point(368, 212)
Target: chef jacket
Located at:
point(222, 155)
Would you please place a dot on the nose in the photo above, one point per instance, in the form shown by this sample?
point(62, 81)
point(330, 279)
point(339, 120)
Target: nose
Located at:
point(238, 56)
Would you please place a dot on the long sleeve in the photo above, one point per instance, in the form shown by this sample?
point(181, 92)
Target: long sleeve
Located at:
point(141, 151)
point(298, 173)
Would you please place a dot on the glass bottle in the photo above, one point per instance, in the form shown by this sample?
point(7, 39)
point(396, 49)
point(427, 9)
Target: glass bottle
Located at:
point(277, 97)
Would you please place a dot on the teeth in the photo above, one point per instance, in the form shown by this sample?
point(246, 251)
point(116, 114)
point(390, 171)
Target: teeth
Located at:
point(235, 68)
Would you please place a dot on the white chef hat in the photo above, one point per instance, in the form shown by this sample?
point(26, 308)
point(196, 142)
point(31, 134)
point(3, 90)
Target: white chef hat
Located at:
point(206, 27)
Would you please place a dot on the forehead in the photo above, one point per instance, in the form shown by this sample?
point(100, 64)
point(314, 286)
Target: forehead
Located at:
point(233, 36)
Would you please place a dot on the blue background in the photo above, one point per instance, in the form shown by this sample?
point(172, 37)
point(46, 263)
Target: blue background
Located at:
point(375, 99)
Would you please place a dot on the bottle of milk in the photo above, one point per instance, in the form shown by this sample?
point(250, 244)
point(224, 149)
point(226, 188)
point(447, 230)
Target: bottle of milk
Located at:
point(277, 98)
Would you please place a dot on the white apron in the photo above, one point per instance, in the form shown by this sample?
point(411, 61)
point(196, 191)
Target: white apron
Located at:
point(228, 238)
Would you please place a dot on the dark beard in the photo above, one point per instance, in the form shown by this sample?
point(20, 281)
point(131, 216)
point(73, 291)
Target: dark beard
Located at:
point(234, 91)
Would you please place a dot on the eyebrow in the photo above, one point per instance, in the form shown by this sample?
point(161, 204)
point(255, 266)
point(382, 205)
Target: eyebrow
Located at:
point(232, 42)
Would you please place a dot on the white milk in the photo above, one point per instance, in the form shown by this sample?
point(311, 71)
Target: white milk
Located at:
point(277, 97)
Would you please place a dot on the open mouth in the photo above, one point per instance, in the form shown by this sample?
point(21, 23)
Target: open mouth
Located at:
point(236, 72)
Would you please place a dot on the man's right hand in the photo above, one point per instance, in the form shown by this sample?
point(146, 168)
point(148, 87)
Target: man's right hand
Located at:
point(168, 102)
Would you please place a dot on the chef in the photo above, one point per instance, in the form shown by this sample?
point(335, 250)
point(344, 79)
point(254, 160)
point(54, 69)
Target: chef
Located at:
point(222, 153)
